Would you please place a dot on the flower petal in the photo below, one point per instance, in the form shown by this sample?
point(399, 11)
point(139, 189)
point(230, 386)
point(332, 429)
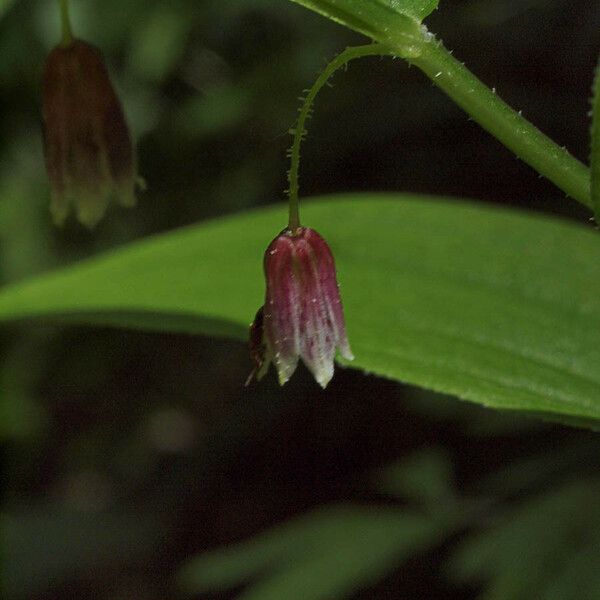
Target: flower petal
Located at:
point(303, 315)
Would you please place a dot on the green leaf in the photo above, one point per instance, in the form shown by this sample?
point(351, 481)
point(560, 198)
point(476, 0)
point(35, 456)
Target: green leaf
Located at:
point(326, 554)
point(595, 155)
point(494, 306)
point(419, 9)
point(374, 18)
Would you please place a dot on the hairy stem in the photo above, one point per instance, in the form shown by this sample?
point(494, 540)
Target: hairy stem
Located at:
point(65, 22)
point(507, 125)
point(482, 104)
point(299, 131)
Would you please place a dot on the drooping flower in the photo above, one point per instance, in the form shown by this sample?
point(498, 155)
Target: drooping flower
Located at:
point(88, 149)
point(302, 316)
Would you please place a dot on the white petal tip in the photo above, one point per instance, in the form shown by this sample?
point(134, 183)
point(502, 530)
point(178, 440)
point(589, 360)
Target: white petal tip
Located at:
point(324, 383)
point(324, 375)
point(285, 368)
point(346, 353)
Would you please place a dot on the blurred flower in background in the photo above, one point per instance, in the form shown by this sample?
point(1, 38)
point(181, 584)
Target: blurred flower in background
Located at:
point(88, 148)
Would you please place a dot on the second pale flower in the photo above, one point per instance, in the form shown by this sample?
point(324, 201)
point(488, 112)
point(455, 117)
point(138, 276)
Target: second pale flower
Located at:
point(88, 148)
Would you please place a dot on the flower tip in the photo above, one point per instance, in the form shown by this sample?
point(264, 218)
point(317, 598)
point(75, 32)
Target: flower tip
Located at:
point(323, 382)
point(285, 369)
point(59, 211)
point(283, 378)
point(323, 374)
point(141, 183)
point(249, 378)
point(346, 353)
point(127, 199)
point(125, 190)
point(90, 214)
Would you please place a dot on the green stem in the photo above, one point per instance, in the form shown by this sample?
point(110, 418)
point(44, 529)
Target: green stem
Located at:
point(482, 104)
point(65, 21)
point(387, 23)
point(499, 119)
point(299, 131)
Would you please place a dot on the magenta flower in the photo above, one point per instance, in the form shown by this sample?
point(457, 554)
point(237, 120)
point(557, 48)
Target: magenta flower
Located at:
point(88, 149)
point(302, 316)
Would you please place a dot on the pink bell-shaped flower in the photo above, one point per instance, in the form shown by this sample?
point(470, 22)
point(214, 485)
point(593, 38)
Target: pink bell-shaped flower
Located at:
point(302, 316)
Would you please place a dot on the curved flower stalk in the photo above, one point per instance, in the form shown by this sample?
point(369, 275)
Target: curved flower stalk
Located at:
point(302, 316)
point(88, 149)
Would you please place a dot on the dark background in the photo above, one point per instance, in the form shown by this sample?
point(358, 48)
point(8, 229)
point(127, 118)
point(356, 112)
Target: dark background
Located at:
point(127, 453)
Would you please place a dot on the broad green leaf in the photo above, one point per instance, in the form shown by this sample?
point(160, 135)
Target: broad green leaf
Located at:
point(324, 555)
point(595, 155)
point(377, 19)
point(494, 306)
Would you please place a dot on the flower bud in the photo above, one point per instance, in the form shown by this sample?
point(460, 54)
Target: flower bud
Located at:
point(302, 316)
point(88, 149)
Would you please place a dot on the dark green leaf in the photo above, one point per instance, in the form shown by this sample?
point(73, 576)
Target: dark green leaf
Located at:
point(493, 306)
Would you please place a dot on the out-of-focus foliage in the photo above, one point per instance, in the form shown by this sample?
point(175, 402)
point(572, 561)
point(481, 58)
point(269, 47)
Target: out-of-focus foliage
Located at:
point(290, 560)
point(320, 556)
point(425, 477)
point(547, 546)
point(48, 544)
point(141, 435)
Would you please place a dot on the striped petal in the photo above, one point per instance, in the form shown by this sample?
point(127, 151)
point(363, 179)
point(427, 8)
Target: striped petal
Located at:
point(303, 315)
